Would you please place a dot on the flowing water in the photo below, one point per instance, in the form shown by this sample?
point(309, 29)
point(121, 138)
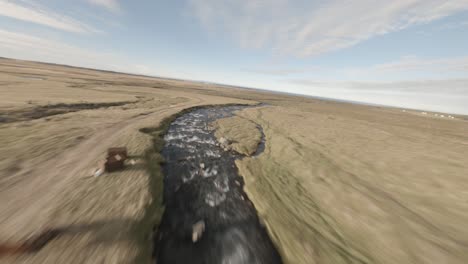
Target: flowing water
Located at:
point(208, 217)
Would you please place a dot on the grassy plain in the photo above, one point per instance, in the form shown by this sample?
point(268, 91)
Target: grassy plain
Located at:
point(337, 182)
point(354, 184)
point(56, 124)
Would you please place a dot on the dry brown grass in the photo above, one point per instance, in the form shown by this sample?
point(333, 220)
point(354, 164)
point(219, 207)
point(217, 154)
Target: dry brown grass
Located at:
point(337, 183)
point(239, 134)
point(46, 162)
point(355, 184)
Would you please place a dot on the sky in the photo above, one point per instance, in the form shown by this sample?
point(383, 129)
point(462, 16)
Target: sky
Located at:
point(404, 53)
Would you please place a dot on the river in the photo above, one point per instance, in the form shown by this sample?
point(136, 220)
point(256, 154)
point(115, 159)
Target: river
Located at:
point(208, 217)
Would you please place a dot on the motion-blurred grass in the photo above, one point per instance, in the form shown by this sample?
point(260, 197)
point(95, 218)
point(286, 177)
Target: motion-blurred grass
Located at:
point(360, 186)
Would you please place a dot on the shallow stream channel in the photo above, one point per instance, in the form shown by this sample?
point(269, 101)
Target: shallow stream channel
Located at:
point(208, 217)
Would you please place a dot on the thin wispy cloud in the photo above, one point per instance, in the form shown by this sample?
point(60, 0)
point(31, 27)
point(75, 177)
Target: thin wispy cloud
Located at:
point(25, 46)
point(308, 28)
point(436, 95)
point(275, 71)
point(457, 64)
point(110, 5)
point(458, 87)
point(282, 71)
point(35, 13)
point(29, 47)
point(456, 67)
point(445, 67)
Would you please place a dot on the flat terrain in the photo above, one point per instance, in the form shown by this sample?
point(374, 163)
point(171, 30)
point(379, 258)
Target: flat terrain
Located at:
point(350, 184)
point(337, 183)
point(46, 163)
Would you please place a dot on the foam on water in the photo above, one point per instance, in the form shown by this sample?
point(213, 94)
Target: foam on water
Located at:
point(202, 184)
point(209, 172)
point(214, 199)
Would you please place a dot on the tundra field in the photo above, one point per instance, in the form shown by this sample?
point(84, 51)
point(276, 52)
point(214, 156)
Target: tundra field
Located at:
point(336, 182)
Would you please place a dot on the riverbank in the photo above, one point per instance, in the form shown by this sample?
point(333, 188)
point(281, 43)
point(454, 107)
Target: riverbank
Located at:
point(238, 134)
point(336, 182)
point(47, 163)
point(352, 184)
point(208, 218)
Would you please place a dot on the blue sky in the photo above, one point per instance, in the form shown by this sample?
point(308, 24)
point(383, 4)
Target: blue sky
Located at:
point(408, 53)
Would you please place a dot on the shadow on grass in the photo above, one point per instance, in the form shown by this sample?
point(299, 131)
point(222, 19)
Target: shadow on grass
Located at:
point(102, 232)
point(54, 109)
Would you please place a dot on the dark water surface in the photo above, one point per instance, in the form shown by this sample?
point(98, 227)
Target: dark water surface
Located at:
point(208, 217)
